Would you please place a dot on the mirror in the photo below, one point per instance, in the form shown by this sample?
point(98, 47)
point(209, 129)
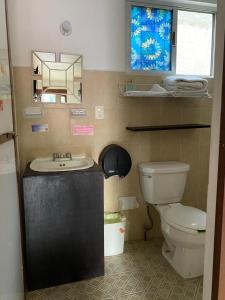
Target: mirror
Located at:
point(57, 79)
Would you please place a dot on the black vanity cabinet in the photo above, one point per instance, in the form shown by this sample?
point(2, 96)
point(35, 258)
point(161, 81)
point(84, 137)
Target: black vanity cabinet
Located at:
point(64, 226)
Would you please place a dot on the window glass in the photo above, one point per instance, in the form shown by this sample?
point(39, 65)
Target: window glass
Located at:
point(151, 30)
point(194, 43)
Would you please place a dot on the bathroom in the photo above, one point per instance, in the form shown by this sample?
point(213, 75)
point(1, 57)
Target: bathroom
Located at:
point(99, 34)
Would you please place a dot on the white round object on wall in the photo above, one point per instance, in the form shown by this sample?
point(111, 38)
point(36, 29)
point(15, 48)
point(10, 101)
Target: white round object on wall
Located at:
point(66, 28)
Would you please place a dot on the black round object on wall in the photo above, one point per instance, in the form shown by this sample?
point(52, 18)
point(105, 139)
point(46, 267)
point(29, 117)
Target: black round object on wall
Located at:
point(115, 160)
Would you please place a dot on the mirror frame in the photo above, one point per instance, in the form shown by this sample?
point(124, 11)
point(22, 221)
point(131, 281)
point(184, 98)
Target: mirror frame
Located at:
point(57, 94)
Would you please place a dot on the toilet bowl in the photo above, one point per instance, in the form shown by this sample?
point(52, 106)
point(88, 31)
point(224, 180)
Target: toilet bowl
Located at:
point(183, 227)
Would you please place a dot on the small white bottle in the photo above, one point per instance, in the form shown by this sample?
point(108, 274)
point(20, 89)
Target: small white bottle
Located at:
point(129, 86)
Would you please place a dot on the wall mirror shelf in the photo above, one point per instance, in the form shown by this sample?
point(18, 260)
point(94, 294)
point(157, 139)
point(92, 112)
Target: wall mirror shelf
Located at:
point(130, 89)
point(57, 78)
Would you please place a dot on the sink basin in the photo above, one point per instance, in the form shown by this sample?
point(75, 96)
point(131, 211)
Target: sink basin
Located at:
point(47, 164)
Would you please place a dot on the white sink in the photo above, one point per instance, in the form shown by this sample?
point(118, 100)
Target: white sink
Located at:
point(46, 164)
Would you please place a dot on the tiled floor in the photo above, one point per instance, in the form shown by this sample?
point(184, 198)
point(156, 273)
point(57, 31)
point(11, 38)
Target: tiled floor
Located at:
point(140, 273)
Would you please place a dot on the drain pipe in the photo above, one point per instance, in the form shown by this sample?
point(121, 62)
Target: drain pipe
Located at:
point(149, 227)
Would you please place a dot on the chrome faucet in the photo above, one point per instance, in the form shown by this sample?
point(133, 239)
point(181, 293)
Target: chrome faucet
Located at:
point(55, 156)
point(67, 155)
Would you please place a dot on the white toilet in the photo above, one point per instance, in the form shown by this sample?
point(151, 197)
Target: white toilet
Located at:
point(183, 227)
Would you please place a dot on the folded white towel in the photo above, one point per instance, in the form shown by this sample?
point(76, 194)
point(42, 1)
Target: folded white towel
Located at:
point(156, 91)
point(145, 94)
point(190, 94)
point(185, 83)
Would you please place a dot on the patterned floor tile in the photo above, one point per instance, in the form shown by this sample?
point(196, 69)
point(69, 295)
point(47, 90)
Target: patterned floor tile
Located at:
point(140, 273)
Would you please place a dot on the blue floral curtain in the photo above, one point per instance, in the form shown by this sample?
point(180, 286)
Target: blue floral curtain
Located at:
point(151, 30)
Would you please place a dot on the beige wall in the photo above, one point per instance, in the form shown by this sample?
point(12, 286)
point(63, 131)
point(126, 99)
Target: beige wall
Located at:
point(101, 88)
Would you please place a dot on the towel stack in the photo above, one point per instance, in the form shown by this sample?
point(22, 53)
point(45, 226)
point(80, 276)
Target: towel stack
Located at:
point(155, 91)
point(186, 86)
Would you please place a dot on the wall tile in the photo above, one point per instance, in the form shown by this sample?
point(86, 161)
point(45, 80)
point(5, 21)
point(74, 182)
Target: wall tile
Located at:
point(102, 88)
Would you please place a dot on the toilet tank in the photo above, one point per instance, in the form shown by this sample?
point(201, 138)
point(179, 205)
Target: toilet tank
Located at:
point(163, 182)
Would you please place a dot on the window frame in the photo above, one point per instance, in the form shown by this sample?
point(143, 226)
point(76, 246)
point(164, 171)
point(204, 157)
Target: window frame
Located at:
point(175, 6)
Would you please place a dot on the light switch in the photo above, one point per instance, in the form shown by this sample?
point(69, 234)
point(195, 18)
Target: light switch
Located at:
point(99, 112)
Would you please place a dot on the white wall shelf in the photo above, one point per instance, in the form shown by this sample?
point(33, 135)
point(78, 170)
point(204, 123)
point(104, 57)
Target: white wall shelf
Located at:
point(145, 91)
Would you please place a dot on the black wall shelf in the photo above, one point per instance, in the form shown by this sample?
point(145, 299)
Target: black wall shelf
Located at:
point(167, 127)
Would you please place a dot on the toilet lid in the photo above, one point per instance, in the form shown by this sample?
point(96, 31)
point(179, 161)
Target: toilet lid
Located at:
point(163, 167)
point(186, 216)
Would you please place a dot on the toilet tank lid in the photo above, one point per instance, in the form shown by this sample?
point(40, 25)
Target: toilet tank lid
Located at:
point(186, 216)
point(163, 167)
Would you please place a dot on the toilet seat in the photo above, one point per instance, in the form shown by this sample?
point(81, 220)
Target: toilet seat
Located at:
point(185, 218)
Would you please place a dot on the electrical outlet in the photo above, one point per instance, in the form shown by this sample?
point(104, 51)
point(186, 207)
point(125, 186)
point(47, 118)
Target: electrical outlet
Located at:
point(99, 112)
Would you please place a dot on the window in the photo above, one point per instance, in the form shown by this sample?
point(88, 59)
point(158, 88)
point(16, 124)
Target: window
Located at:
point(170, 40)
point(194, 43)
point(151, 30)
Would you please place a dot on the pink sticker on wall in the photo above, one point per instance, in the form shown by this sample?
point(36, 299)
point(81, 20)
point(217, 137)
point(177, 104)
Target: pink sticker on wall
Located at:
point(83, 129)
point(1, 105)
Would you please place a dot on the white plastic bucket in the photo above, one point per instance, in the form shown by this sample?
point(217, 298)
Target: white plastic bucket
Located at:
point(114, 232)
